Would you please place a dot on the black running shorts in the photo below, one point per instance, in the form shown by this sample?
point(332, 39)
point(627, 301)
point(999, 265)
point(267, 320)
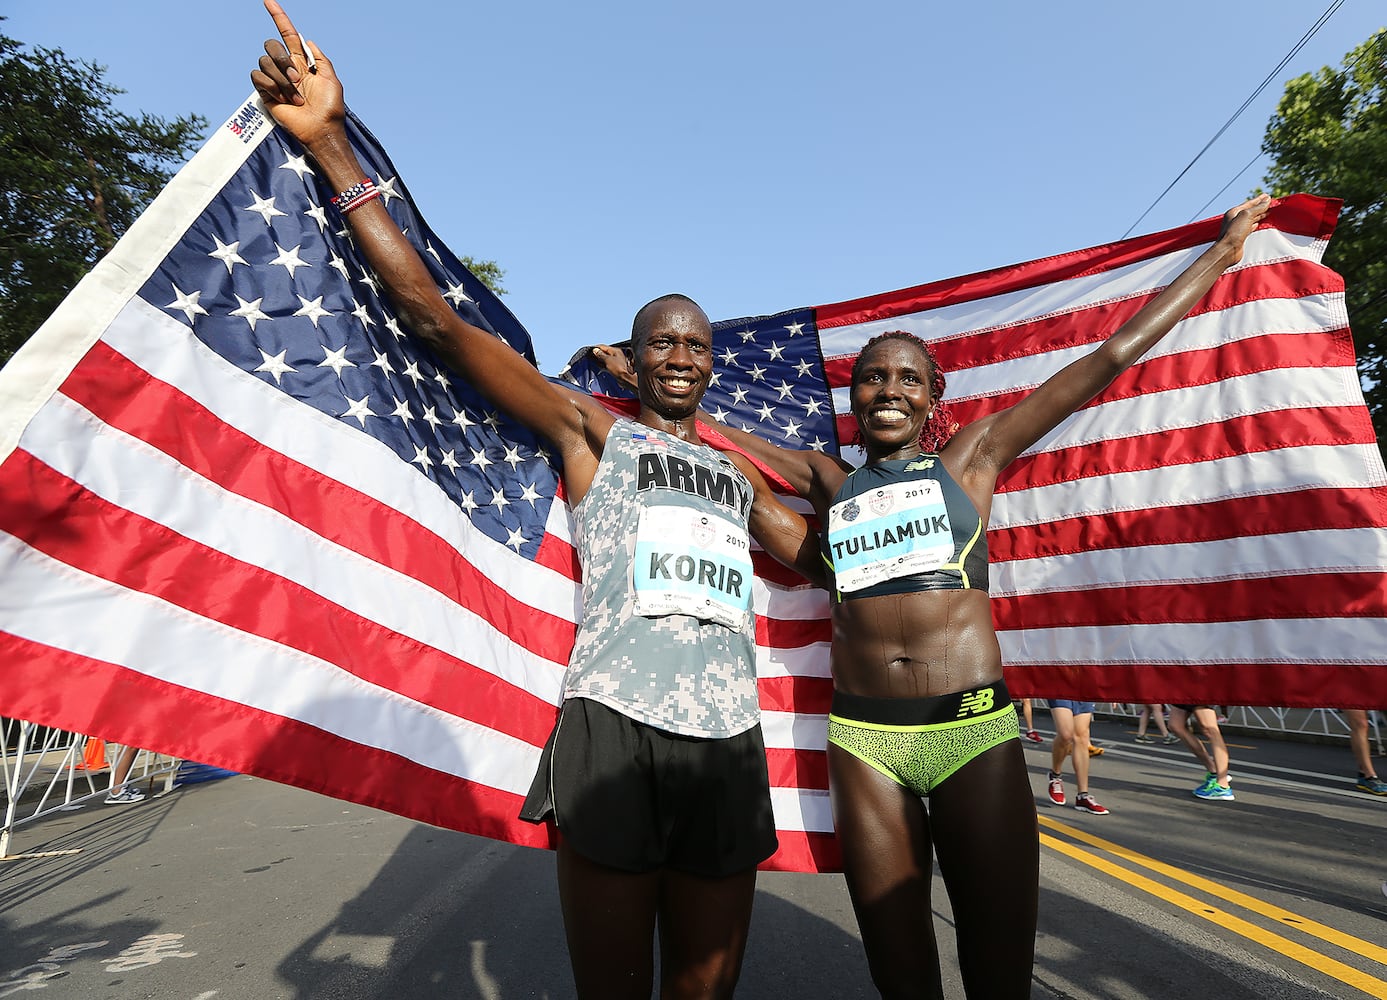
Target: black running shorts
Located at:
point(633, 797)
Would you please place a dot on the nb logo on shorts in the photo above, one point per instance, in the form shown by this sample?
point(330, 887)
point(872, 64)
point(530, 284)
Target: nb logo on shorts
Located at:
point(975, 703)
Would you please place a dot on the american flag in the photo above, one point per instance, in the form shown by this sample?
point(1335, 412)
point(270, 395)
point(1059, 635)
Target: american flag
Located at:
point(246, 520)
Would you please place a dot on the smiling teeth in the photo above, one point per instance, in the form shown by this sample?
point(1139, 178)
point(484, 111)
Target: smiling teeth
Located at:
point(889, 416)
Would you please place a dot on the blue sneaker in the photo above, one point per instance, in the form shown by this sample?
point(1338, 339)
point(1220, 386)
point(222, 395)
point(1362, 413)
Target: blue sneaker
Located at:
point(1371, 784)
point(1213, 790)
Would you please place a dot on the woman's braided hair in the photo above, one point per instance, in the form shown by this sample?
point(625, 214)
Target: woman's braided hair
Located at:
point(940, 426)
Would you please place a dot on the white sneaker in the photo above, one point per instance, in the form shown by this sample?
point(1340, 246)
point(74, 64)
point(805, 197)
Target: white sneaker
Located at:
point(124, 795)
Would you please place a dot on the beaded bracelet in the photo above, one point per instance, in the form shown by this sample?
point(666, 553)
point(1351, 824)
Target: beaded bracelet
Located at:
point(356, 196)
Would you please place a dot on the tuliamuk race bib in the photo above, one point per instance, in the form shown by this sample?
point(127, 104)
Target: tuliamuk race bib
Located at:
point(691, 562)
point(895, 530)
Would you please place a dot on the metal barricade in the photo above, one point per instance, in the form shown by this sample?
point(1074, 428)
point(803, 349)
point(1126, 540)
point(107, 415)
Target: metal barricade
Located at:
point(46, 770)
point(1320, 724)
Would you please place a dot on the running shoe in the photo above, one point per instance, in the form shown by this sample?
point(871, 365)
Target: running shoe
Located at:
point(1170, 738)
point(1142, 738)
point(1056, 789)
point(1032, 737)
point(124, 795)
point(1372, 785)
point(1085, 802)
point(1213, 790)
point(1094, 750)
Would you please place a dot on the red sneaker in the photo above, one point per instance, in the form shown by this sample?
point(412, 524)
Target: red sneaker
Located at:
point(1056, 789)
point(1032, 737)
point(1085, 802)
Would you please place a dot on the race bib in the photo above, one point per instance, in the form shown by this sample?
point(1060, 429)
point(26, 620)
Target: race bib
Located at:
point(896, 530)
point(691, 562)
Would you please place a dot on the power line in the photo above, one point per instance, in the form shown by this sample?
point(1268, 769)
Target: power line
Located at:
point(1219, 194)
point(1365, 52)
point(1329, 12)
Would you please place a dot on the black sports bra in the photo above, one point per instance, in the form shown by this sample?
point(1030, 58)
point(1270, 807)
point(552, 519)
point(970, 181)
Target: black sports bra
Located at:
point(902, 526)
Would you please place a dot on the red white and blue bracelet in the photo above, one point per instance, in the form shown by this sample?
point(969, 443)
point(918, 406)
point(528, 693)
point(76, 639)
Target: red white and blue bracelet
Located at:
point(356, 196)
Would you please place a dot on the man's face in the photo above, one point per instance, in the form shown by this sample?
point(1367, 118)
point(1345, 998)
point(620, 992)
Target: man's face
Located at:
point(674, 359)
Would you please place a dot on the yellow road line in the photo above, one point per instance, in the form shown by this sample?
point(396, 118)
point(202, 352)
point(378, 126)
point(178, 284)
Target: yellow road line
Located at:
point(1294, 920)
point(1348, 975)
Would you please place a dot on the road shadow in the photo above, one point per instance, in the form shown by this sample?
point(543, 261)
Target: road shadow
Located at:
point(456, 915)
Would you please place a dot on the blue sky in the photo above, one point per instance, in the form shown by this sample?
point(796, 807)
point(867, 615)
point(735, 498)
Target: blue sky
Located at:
point(757, 156)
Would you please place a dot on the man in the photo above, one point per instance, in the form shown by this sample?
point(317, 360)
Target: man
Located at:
point(655, 774)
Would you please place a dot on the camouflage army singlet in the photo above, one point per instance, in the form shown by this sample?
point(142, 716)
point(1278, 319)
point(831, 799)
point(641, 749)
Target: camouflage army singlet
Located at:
point(667, 636)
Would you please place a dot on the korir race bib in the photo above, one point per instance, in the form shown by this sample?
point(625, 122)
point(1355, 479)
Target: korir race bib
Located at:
point(896, 530)
point(691, 562)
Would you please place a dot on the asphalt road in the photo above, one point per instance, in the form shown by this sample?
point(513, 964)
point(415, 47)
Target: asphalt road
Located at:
point(240, 888)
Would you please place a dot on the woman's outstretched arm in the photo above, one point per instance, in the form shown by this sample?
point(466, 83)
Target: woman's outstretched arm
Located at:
point(987, 446)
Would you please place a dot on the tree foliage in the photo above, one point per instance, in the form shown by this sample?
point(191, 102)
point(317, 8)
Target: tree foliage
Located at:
point(1329, 136)
point(488, 272)
point(76, 173)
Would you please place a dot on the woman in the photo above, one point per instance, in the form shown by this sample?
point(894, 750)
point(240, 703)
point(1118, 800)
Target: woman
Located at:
point(656, 772)
point(920, 709)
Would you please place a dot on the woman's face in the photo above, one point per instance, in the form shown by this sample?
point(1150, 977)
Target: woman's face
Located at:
point(891, 398)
